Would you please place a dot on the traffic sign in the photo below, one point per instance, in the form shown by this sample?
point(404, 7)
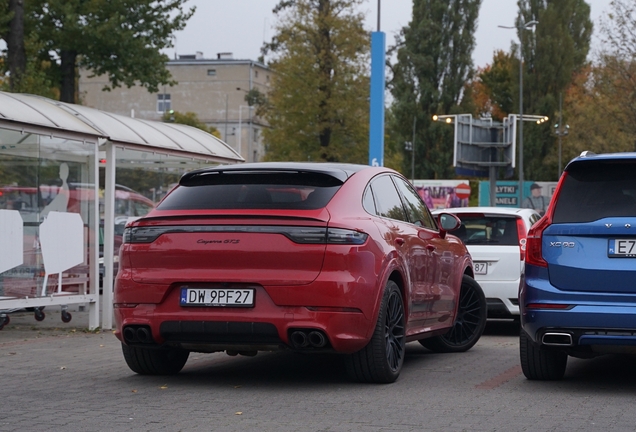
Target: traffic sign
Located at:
point(462, 191)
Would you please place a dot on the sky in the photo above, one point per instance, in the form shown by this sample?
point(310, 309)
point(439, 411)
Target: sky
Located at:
point(241, 26)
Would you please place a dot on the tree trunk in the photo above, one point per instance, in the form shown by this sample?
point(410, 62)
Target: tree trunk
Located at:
point(67, 90)
point(325, 63)
point(15, 45)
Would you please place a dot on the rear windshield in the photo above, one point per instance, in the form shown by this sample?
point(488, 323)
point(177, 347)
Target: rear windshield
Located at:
point(595, 190)
point(479, 229)
point(302, 191)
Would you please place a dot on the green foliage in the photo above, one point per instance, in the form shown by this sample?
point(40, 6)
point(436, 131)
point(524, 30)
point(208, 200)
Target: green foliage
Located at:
point(255, 97)
point(121, 39)
point(552, 55)
point(499, 81)
point(36, 79)
point(317, 106)
point(5, 17)
point(618, 65)
point(433, 64)
point(189, 119)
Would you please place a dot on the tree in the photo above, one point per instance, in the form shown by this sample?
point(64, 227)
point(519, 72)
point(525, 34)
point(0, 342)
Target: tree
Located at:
point(552, 55)
point(618, 64)
point(189, 119)
point(492, 89)
point(16, 59)
point(433, 64)
point(317, 106)
point(596, 121)
point(118, 38)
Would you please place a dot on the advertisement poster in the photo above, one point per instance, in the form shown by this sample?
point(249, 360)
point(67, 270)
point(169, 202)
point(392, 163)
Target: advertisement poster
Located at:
point(443, 193)
point(507, 192)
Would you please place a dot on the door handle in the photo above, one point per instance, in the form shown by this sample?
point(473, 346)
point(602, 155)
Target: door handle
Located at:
point(399, 241)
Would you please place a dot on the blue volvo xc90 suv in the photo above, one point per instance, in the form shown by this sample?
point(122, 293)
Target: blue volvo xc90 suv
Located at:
point(579, 294)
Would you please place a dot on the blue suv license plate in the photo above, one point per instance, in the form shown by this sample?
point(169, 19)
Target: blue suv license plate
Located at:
point(622, 248)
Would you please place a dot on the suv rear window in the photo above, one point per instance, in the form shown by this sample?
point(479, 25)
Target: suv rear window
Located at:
point(259, 190)
point(594, 190)
point(480, 229)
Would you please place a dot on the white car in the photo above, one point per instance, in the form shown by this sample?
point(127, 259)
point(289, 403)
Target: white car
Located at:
point(496, 239)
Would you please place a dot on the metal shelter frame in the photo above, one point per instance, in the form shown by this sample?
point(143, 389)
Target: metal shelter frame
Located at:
point(161, 142)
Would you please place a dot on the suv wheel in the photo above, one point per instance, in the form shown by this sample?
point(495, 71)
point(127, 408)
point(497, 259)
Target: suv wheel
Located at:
point(381, 360)
point(469, 323)
point(538, 364)
point(154, 361)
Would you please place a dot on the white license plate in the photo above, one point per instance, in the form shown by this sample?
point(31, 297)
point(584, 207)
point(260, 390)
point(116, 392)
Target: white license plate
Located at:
point(481, 268)
point(622, 248)
point(233, 297)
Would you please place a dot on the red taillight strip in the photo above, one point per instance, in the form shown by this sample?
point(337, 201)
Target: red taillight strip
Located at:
point(534, 254)
point(521, 232)
point(548, 306)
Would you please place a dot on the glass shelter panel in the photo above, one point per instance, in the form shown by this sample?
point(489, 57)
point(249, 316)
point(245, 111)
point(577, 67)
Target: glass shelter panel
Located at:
point(47, 208)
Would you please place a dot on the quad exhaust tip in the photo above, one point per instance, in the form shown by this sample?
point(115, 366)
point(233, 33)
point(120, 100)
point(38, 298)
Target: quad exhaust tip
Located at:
point(307, 338)
point(557, 339)
point(137, 334)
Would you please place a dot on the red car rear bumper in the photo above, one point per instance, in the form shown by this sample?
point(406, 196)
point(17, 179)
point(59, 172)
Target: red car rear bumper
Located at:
point(347, 321)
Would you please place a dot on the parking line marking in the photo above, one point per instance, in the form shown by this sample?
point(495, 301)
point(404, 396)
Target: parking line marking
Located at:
point(500, 379)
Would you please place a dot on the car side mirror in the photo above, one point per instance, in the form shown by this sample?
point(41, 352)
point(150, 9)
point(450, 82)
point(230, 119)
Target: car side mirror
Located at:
point(448, 222)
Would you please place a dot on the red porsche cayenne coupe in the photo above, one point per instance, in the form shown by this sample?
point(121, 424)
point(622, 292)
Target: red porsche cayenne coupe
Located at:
point(309, 257)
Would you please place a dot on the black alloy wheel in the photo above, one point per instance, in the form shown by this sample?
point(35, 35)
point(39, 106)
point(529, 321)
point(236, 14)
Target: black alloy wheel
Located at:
point(382, 359)
point(469, 323)
point(394, 331)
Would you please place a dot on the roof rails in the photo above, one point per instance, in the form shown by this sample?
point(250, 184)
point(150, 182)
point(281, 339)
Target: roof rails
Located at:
point(587, 153)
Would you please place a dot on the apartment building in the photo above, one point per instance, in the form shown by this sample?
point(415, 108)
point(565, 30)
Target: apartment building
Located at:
point(213, 89)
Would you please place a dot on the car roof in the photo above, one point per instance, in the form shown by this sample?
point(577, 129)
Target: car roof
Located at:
point(588, 156)
point(341, 171)
point(488, 210)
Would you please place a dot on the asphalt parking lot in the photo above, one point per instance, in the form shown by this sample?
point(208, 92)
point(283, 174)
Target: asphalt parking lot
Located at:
point(59, 376)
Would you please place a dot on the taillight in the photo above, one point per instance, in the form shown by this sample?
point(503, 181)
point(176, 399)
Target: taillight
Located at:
point(521, 232)
point(303, 235)
point(534, 254)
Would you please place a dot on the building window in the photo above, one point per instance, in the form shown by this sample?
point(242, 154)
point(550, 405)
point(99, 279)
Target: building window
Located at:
point(211, 72)
point(255, 74)
point(163, 103)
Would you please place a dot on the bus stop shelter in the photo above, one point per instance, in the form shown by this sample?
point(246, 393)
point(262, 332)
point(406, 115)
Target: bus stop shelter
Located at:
point(53, 213)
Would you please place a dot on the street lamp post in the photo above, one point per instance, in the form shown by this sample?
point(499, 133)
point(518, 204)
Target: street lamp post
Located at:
point(240, 130)
point(521, 28)
point(560, 130)
point(249, 121)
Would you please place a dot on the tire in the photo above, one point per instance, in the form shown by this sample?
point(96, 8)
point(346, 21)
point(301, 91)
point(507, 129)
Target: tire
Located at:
point(39, 314)
point(148, 361)
point(538, 364)
point(66, 317)
point(382, 359)
point(469, 323)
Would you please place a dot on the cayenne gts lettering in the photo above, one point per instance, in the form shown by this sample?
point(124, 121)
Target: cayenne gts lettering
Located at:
point(226, 241)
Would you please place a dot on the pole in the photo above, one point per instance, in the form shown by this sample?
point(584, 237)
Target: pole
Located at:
point(378, 15)
point(521, 115)
point(225, 136)
point(240, 131)
point(559, 131)
point(413, 152)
